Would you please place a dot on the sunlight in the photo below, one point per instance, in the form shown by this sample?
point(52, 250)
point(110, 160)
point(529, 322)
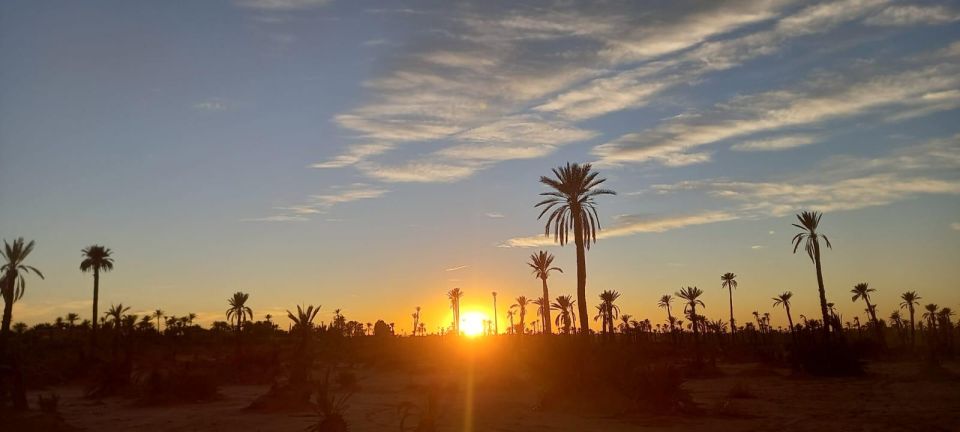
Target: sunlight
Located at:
point(472, 323)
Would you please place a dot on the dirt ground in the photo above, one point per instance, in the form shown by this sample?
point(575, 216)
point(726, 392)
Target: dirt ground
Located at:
point(892, 397)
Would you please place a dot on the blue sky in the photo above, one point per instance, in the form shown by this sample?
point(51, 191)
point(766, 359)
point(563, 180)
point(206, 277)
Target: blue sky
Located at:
point(371, 155)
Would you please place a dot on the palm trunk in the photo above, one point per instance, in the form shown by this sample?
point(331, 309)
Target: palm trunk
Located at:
point(789, 318)
point(733, 326)
point(7, 316)
point(913, 329)
point(581, 267)
point(876, 324)
point(96, 298)
point(547, 323)
point(823, 292)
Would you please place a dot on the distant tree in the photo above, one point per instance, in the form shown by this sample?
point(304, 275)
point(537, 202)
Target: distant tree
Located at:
point(96, 258)
point(115, 315)
point(931, 315)
point(862, 291)
point(72, 318)
point(12, 282)
point(911, 299)
point(513, 328)
point(542, 264)
point(381, 329)
point(454, 296)
point(239, 311)
point(784, 300)
point(810, 237)
point(729, 281)
point(303, 328)
point(521, 307)
point(564, 304)
point(157, 314)
point(664, 303)
point(692, 297)
point(571, 206)
point(608, 310)
point(416, 320)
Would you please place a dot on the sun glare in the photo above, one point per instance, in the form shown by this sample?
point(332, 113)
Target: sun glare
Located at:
point(472, 323)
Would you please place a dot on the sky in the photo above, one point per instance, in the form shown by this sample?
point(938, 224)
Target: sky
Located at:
point(369, 156)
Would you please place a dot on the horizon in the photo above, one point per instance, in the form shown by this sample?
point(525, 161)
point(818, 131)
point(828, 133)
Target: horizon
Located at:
point(369, 159)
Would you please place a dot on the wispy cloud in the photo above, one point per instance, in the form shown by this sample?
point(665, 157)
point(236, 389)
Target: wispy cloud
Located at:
point(282, 5)
point(775, 143)
point(908, 15)
point(213, 104)
point(494, 215)
point(452, 269)
point(322, 203)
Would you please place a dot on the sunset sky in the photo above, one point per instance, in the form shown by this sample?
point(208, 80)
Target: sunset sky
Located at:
point(369, 156)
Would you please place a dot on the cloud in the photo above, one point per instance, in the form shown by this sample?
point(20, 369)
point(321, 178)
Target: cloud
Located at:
point(776, 143)
point(282, 5)
point(451, 269)
point(756, 247)
point(322, 203)
point(494, 215)
point(909, 15)
point(626, 225)
point(821, 99)
point(214, 104)
point(355, 154)
point(419, 172)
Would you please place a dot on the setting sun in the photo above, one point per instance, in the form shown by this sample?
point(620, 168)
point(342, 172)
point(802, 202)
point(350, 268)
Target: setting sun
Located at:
point(473, 323)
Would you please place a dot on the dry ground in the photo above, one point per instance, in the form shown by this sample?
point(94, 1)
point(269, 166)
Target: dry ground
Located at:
point(892, 397)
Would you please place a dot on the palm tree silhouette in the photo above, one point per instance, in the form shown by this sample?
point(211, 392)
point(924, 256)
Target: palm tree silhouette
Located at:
point(455, 295)
point(96, 258)
point(862, 291)
point(931, 315)
point(692, 296)
point(12, 282)
point(571, 206)
point(809, 222)
point(521, 307)
point(158, 314)
point(239, 310)
point(729, 281)
point(116, 313)
point(416, 320)
point(608, 310)
point(664, 303)
point(541, 262)
point(910, 299)
point(72, 318)
point(784, 300)
point(510, 317)
point(565, 318)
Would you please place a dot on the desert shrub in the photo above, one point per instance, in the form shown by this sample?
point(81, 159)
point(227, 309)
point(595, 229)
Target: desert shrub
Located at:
point(331, 405)
point(177, 385)
point(833, 358)
point(49, 405)
point(741, 391)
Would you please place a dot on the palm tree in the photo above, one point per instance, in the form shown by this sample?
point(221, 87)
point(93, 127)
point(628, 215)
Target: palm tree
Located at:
point(116, 314)
point(521, 307)
point(72, 318)
point(302, 326)
point(510, 317)
point(455, 295)
point(862, 291)
point(809, 222)
point(416, 320)
point(239, 310)
point(541, 263)
point(664, 303)
point(608, 310)
point(564, 304)
point(571, 206)
point(496, 324)
point(729, 281)
point(158, 314)
point(910, 299)
point(625, 323)
point(692, 296)
point(784, 300)
point(931, 315)
point(96, 258)
point(12, 282)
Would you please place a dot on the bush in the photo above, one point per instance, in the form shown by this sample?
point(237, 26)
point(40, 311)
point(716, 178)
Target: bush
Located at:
point(177, 386)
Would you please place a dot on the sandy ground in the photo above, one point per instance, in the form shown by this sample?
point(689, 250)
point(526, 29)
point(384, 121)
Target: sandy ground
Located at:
point(893, 397)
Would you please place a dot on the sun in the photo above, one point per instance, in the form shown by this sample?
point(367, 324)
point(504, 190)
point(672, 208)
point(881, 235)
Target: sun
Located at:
point(472, 323)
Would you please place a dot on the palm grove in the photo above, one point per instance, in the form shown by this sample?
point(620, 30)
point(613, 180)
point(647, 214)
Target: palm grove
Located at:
point(569, 208)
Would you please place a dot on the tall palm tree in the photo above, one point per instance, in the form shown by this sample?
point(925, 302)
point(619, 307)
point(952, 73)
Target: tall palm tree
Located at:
point(158, 314)
point(862, 291)
point(664, 303)
point(565, 318)
point(911, 299)
point(729, 281)
point(541, 262)
point(810, 222)
point(239, 310)
point(12, 282)
point(609, 311)
point(571, 205)
point(96, 258)
point(784, 300)
point(521, 307)
point(454, 296)
point(692, 297)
